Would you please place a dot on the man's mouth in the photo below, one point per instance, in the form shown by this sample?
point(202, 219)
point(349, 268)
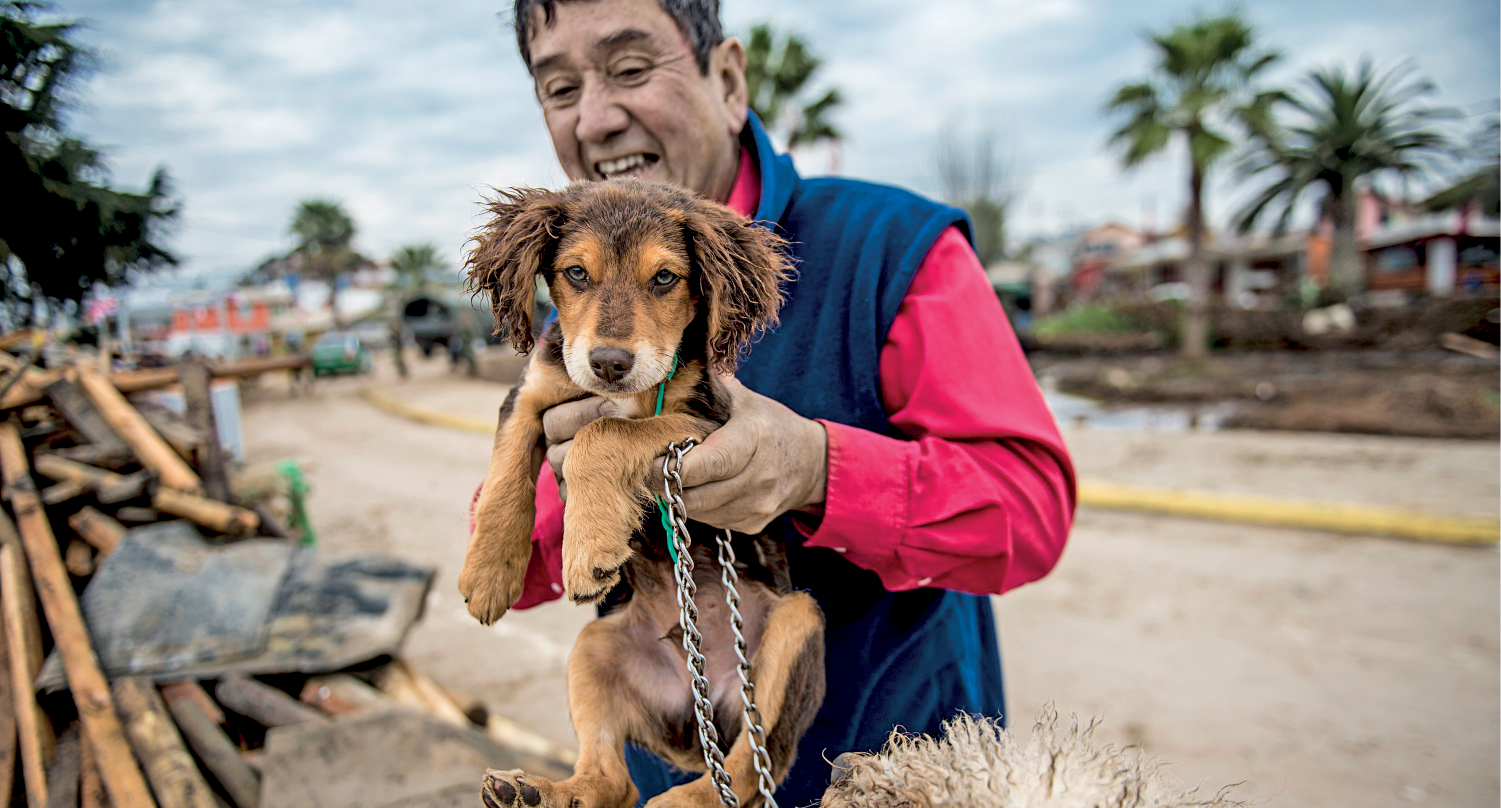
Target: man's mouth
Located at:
point(631, 165)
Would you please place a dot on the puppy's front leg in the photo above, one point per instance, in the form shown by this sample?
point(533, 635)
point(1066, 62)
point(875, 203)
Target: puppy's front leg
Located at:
point(607, 471)
point(495, 566)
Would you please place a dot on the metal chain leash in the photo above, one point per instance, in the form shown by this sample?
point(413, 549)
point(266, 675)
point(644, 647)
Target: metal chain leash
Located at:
point(754, 732)
point(703, 710)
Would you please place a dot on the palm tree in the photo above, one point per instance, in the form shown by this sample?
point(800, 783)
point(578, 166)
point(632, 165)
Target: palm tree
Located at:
point(776, 73)
point(324, 232)
point(1482, 187)
point(412, 262)
point(1346, 129)
point(1202, 87)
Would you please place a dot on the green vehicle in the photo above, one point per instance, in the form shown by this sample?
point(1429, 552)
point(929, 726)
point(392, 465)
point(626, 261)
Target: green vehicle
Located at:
point(340, 352)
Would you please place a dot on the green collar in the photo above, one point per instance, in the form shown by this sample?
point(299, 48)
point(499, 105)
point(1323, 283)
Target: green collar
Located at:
point(662, 504)
point(662, 387)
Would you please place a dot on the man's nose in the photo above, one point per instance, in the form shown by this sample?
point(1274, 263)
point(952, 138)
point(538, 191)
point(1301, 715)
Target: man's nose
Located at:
point(611, 364)
point(600, 118)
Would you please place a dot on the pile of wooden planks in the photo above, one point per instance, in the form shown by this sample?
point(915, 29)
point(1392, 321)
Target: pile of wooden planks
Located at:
point(79, 464)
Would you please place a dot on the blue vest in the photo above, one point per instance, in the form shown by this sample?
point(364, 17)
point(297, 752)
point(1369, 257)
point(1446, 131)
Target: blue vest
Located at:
point(909, 659)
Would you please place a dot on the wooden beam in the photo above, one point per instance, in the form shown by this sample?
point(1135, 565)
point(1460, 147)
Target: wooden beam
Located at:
point(70, 400)
point(219, 754)
point(184, 439)
point(109, 486)
point(62, 778)
point(153, 452)
point(127, 789)
point(264, 703)
point(78, 557)
point(23, 640)
point(98, 529)
point(10, 750)
point(64, 491)
point(409, 686)
point(211, 513)
point(197, 395)
point(341, 694)
point(174, 777)
point(101, 456)
point(90, 783)
point(190, 689)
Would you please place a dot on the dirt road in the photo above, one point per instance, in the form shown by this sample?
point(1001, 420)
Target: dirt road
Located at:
point(1322, 670)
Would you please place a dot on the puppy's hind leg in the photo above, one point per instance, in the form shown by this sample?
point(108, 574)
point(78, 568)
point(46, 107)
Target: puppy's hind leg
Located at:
point(603, 708)
point(787, 673)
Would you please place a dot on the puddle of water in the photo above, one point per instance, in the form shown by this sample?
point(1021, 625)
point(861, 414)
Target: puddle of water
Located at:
point(1071, 410)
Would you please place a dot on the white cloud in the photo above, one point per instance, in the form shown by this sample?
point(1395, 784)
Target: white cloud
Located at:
point(409, 112)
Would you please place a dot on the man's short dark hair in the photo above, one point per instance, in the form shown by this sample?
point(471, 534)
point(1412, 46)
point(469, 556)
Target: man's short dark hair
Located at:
point(697, 19)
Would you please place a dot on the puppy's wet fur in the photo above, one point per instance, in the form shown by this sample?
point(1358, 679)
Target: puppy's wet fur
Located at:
point(640, 273)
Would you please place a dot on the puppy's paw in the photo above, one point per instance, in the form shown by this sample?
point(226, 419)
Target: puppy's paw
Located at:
point(491, 582)
point(590, 573)
point(517, 789)
point(596, 544)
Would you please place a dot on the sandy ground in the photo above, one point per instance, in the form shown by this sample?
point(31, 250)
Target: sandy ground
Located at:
point(1321, 670)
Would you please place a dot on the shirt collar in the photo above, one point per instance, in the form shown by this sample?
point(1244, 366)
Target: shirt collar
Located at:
point(745, 195)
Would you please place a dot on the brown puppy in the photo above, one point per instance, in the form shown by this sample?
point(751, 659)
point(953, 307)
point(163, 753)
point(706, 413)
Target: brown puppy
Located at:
point(651, 284)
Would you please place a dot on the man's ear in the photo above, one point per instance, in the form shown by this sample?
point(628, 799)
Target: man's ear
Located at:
point(510, 250)
point(739, 269)
point(727, 61)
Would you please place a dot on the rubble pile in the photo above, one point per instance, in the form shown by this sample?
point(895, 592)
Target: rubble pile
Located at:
point(169, 640)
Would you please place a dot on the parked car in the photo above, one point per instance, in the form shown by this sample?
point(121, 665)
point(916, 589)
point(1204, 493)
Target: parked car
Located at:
point(340, 352)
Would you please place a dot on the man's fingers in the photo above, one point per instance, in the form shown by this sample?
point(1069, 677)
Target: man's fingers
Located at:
point(562, 422)
point(704, 500)
point(722, 455)
point(556, 453)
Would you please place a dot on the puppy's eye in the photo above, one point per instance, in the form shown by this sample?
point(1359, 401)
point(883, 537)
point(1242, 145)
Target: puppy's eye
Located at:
point(576, 274)
point(665, 278)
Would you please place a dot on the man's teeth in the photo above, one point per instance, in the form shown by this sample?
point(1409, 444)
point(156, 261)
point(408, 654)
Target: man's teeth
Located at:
point(627, 166)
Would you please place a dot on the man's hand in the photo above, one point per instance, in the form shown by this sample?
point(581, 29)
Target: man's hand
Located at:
point(561, 423)
point(766, 460)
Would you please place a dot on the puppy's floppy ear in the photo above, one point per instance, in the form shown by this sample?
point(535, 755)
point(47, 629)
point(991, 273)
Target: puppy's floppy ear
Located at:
point(510, 250)
point(740, 268)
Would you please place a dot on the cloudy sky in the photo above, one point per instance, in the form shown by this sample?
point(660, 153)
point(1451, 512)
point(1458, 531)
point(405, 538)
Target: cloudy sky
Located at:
point(407, 111)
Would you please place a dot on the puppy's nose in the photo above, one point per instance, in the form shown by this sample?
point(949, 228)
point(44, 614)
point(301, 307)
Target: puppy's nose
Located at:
point(611, 364)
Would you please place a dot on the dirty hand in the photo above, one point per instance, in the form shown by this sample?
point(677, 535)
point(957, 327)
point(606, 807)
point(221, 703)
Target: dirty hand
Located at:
point(562, 422)
point(766, 460)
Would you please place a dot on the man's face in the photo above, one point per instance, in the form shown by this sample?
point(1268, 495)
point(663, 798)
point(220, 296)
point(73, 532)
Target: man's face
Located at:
point(623, 96)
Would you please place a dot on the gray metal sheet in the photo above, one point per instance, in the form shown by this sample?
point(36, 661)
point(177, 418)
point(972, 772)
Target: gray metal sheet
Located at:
point(166, 600)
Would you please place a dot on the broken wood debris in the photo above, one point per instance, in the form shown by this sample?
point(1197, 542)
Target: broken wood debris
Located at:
point(81, 463)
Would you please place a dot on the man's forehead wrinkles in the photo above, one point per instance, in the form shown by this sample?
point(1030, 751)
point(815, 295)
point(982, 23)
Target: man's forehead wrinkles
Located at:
point(628, 36)
point(602, 46)
point(549, 62)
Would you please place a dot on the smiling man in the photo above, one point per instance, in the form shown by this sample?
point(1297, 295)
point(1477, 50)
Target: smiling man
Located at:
point(889, 431)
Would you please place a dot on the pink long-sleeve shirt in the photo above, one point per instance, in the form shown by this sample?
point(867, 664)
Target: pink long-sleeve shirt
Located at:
point(979, 495)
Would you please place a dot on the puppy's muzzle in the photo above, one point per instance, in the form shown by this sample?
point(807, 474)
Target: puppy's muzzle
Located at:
point(611, 364)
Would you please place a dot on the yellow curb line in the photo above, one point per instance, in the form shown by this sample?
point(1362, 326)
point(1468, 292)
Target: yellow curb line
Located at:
point(1361, 520)
point(427, 416)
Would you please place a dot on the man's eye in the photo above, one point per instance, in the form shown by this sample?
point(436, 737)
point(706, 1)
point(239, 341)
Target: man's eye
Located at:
point(665, 278)
point(633, 71)
point(560, 91)
point(576, 274)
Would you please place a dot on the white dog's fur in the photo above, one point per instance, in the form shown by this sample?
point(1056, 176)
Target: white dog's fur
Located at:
point(977, 764)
